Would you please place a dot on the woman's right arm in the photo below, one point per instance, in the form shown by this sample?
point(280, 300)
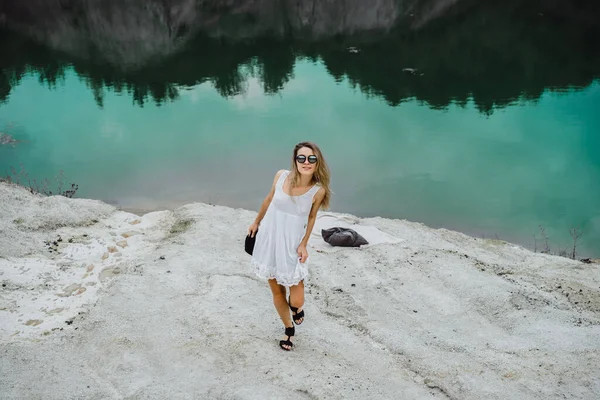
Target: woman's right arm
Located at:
point(265, 205)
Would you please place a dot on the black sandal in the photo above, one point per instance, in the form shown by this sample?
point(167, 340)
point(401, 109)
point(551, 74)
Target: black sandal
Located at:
point(289, 332)
point(297, 315)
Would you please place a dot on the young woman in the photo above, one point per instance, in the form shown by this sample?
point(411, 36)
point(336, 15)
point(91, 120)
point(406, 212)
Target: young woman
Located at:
point(286, 219)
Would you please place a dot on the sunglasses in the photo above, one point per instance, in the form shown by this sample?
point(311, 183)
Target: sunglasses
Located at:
point(302, 159)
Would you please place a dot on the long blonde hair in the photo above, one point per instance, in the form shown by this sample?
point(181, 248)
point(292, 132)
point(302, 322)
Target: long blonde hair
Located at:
point(322, 173)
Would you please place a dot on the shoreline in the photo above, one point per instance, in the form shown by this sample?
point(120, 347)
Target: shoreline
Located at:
point(141, 211)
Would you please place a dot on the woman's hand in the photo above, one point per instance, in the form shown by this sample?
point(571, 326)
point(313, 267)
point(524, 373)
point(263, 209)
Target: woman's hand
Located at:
point(252, 229)
point(302, 253)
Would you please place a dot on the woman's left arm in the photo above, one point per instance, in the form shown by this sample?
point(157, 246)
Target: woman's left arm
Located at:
point(312, 216)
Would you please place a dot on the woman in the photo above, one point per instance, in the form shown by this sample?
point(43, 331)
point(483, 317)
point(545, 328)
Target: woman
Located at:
point(286, 219)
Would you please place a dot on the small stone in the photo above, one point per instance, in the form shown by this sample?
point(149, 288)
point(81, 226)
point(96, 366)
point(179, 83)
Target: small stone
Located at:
point(129, 234)
point(108, 273)
point(135, 222)
point(162, 257)
point(112, 249)
point(79, 291)
point(55, 310)
point(122, 243)
point(104, 256)
point(429, 383)
point(71, 288)
point(90, 268)
point(353, 285)
point(33, 322)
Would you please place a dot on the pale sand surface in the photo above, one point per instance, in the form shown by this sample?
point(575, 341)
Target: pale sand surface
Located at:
point(419, 314)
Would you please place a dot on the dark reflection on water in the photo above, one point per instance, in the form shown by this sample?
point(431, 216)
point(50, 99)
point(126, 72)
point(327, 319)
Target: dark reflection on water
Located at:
point(495, 54)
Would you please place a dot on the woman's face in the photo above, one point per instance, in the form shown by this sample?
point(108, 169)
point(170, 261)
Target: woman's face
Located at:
point(304, 156)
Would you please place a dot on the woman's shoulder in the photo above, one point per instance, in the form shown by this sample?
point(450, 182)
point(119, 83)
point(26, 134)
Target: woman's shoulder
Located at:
point(281, 172)
point(318, 193)
point(318, 190)
point(278, 175)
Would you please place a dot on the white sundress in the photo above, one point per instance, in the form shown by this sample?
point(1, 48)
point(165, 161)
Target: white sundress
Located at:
point(275, 253)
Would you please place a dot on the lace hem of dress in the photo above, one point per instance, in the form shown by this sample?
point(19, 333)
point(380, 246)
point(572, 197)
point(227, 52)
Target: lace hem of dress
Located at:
point(265, 272)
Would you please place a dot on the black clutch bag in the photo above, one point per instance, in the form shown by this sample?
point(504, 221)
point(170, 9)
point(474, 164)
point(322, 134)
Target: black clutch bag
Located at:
point(249, 244)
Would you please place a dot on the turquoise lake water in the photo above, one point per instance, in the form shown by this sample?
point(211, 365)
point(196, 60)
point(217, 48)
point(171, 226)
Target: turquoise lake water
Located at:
point(499, 174)
point(495, 132)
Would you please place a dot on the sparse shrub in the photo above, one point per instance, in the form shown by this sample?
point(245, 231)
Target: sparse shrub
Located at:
point(181, 226)
point(546, 249)
point(562, 252)
point(575, 234)
point(21, 178)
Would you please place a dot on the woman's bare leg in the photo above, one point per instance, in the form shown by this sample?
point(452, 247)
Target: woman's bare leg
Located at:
point(281, 305)
point(297, 297)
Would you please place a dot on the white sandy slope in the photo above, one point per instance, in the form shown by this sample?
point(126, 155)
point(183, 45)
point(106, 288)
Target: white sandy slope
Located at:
point(436, 315)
